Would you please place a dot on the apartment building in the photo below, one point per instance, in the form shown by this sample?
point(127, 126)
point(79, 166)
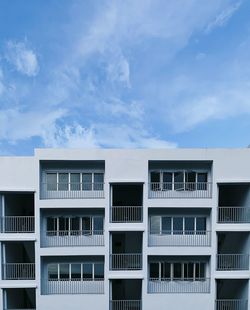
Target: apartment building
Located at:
point(125, 230)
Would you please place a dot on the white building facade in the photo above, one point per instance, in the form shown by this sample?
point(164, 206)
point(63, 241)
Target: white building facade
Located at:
point(125, 229)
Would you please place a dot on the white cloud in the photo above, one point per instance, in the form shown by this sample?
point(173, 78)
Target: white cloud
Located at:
point(22, 58)
point(223, 17)
point(17, 125)
point(118, 70)
point(104, 135)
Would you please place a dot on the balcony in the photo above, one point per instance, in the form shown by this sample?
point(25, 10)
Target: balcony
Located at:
point(73, 286)
point(179, 238)
point(72, 190)
point(17, 224)
point(125, 305)
point(233, 215)
point(18, 271)
point(228, 262)
point(125, 261)
point(156, 285)
point(126, 214)
point(231, 304)
point(70, 238)
point(185, 190)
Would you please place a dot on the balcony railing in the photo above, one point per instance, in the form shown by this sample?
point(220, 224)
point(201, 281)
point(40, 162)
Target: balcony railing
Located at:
point(17, 224)
point(231, 304)
point(232, 262)
point(126, 214)
point(234, 214)
point(125, 261)
point(125, 305)
point(186, 285)
point(69, 238)
point(179, 238)
point(72, 190)
point(73, 286)
point(180, 190)
point(18, 271)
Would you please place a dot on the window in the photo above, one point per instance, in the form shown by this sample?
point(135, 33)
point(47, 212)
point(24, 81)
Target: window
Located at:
point(99, 271)
point(53, 272)
point(174, 271)
point(98, 181)
point(51, 181)
point(98, 225)
point(87, 271)
point(189, 223)
point(179, 181)
point(182, 180)
point(155, 181)
point(63, 181)
point(166, 225)
point(178, 225)
point(75, 181)
point(76, 271)
point(154, 270)
point(64, 271)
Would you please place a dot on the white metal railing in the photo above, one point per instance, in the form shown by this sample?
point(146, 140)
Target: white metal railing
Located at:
point(17, 224)
point(126, 214)
point(179, 238)
point(180, 190)
point(126, 261)
point(18, 271)
point(72, 190)
point(125, 305)
point(186, 285)
point(72, 238)
point(232, 261)
point(73, 286)
point(231, 304)
point(234, 214)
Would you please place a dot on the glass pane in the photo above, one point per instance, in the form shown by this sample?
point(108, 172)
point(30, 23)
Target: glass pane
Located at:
point(166, 270)
point(74, 225)
point(98, 181)
point(200, 271)
point(166, 225)
point(202, 181)
point(177, 271)
point(86, 225)
point(155, 222)
point(87, 271)
point(190, 179)
point(51, 224)
point(51, 181)
point(52, 271)
point(179, 181)
point(64, 271)
point(76, 271)
point(87, 181)
point(154, 270)
point(75, 182)
point(167, 181)
point(155, 181)
point(201, 224)
point(99, 271)
point(98, 225)
point(63, 181)
point(63, 225)
point(177, 225)
point(189, 225)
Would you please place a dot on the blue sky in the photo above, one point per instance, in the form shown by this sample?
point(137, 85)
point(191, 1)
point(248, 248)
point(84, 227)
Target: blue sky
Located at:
point(124, 73)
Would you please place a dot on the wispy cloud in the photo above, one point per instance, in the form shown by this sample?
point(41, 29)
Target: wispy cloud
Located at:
point(223, 17)
point(22, 58)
